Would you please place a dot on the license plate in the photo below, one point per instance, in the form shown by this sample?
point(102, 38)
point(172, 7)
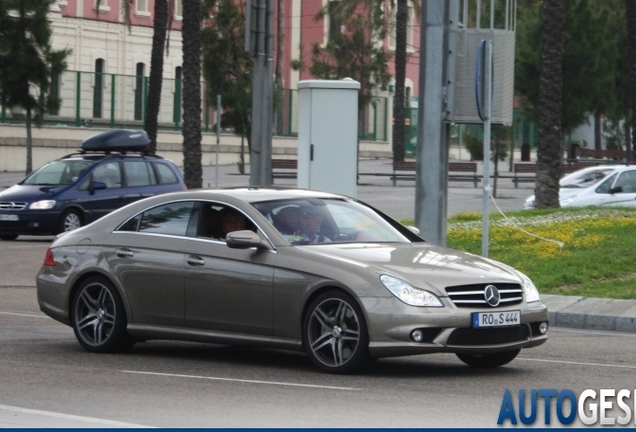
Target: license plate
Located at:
point(496, 319)
point(9, 217)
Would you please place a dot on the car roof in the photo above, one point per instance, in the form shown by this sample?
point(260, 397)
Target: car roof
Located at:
point(257, 194)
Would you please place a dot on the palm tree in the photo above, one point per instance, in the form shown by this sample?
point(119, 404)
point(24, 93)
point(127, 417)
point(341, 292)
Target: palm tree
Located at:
point(155, 79)
point(191, 34)
point(630, 7)
point(401, 18)
point(550, 104)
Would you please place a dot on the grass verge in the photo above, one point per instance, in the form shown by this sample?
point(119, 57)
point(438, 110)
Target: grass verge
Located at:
point(597, 257)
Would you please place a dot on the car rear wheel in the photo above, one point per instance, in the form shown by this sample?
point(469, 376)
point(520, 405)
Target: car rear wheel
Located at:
point(99, 319)
point(8, 237)
point(489, 360)
point(335, 334)
point(70, 220)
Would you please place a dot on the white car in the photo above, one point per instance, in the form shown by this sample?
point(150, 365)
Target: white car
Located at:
point(600, 185)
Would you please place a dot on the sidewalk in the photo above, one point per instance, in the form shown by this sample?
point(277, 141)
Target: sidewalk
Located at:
point(399, 202)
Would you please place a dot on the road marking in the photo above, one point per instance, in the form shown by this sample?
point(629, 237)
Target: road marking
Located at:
point(579, 363)
point(244, 380)
point(24, 315)
point(68, 416)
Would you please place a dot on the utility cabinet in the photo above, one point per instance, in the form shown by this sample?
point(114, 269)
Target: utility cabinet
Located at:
point(328, 135)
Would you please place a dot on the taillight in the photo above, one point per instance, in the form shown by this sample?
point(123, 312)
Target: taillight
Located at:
point(48, 259)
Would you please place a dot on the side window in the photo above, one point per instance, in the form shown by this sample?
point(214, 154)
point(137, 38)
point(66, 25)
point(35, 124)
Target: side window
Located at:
point(172, 219)
point(108, 173)
point(606, 185)
point(217, 220)
point(139, 174)
point(131, 224)
point(627, 180)
point(166, 175)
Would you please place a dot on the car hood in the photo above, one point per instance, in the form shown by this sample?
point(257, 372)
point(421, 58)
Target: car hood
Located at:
point(421, 264)
point(28, 193)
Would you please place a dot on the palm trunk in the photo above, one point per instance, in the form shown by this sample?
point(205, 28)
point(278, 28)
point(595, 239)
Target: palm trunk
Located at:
point(630, 8)
point(550, 104)
point(400, 72)
point(156, 72)
point(191, 33)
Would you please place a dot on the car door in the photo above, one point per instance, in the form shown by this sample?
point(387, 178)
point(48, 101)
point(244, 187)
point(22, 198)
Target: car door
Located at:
point(624, 190)
point(98, 200)
point(147, 256)
point(227, 289)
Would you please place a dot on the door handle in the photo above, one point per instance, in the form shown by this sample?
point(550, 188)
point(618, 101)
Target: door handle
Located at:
point(195, 261)
point(124, 253)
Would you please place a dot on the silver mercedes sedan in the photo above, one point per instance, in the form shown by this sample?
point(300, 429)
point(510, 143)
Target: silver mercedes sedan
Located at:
point(284, 268)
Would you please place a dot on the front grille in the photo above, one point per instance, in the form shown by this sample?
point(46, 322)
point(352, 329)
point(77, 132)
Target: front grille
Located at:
point(472, 296)
point(488, 336)
point(8, 205)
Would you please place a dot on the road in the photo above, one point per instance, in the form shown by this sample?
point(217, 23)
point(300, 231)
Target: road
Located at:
point(48, 380)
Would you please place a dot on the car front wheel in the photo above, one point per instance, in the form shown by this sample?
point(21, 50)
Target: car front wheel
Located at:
point(335, 334)
point(70, 220)
point(99, 319)
point(489, 360)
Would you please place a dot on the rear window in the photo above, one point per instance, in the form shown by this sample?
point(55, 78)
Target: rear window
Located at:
point(139, 173)
point(171, 219)
point(166, 175)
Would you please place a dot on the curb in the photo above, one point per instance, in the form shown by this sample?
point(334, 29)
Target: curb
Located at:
point(591, 313)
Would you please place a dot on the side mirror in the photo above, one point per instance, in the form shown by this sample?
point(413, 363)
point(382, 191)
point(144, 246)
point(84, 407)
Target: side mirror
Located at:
point(413, 229)
point(245, 239)
point(617, 189)
point(98, 185)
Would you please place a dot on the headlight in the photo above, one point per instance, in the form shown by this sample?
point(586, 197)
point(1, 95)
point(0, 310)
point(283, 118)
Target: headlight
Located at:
point(567, 201)
point(42, 205)
point(408, 294)
point(530, 291)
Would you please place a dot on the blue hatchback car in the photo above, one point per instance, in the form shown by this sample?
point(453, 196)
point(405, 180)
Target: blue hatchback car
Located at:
point(111, 171)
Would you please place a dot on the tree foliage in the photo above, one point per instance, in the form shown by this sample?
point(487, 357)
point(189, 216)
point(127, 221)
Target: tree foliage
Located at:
point(592, 47)
point(27, 60)
point(353, 52)
point(226, 67)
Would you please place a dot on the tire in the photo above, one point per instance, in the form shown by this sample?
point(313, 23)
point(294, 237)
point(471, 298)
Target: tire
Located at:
point(69, 221)
point(489, 360)
point(335, 334)
point(98, 317)
point(8, 237)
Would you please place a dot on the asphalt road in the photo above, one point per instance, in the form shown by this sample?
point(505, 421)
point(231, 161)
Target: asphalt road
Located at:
point(48, 380)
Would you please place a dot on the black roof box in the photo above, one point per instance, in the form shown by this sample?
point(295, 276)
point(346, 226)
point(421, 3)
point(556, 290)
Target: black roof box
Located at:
point(119, 140)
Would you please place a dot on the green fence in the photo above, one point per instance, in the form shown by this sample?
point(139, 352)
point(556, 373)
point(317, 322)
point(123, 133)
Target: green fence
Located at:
point(119, 101)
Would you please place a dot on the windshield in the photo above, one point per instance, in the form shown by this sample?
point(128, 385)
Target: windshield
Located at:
point(585, 179)
point(58, 173)
point(314, 220)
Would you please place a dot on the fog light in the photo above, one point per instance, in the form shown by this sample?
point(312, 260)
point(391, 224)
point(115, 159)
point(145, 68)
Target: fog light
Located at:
point(543, 328)
point(417, 335)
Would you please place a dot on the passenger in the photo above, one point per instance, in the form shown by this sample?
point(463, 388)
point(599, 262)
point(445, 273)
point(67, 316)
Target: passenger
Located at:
point(231, 221)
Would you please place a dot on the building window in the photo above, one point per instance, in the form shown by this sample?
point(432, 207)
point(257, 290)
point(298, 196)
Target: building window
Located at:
point(142, 5)
point(139, 91)
point(176, 109)
point(178, 9)
point(334, 18)
point(98, 89)
point(55, 91)
point(103, 6)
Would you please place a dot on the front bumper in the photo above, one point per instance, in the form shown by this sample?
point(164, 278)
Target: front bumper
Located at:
point(30, 222)
point(448, 329)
